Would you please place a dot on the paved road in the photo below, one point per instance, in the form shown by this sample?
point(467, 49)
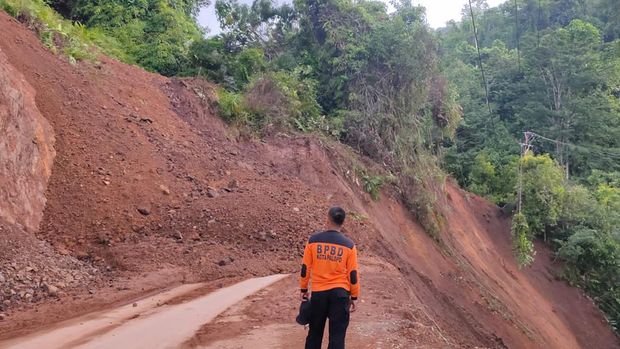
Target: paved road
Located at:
point(146, 326)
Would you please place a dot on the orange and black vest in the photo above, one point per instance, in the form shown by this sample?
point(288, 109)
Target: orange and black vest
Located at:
point(330, 261)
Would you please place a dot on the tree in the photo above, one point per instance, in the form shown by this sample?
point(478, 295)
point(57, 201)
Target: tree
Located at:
point(542, 188)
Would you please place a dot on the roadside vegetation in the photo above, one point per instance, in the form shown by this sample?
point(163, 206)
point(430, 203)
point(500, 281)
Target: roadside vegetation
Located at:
point(409, 97)
point(552, 68)
point(61, 35)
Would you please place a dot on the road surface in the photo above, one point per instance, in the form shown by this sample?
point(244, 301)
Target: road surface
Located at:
point(147, 325)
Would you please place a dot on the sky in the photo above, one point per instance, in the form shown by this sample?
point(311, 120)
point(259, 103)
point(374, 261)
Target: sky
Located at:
point(438, 12)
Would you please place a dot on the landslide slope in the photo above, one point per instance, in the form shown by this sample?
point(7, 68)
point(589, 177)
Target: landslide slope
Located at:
point(147, 179)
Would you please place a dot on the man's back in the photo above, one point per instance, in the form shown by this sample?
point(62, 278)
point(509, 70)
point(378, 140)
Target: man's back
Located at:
point(332, 257)
point(330, 264)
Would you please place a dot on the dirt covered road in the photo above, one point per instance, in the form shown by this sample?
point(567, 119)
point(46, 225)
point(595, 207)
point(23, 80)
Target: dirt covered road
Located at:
point(389, 315)
point(255, 313)
point(154, 322)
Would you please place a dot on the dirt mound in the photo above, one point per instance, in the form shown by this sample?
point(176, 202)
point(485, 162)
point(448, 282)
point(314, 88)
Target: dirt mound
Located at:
point(31, 271)
point(147, 178)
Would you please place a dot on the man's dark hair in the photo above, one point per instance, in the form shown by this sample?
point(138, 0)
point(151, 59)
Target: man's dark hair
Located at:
point(337, 215)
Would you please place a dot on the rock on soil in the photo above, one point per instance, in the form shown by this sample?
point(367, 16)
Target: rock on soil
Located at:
point(164, 189)
point(31, 269)
point(212, 192)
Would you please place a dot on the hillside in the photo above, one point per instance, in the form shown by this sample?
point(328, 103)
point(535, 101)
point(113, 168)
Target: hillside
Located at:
point(150, 188)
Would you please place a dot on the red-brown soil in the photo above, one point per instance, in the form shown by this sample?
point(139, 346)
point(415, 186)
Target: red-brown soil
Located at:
point(389, 316)
point(215, 204)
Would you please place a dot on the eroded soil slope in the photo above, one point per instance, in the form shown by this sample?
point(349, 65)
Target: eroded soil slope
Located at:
point(150, 188)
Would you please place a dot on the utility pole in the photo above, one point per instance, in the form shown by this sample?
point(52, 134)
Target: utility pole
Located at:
point(525, 147)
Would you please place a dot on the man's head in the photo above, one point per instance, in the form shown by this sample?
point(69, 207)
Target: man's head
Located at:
point(336, 216)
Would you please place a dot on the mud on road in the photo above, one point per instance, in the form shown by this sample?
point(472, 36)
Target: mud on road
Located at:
point(388, 316)
point(156, 322)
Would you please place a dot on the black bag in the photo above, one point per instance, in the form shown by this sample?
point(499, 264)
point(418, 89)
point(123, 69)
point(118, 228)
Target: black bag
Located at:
point(303, 318)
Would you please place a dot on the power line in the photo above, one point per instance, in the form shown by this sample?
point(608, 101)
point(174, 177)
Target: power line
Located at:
point(538, 25)
point(517, 36)
point(590, 149)
point(484, 79)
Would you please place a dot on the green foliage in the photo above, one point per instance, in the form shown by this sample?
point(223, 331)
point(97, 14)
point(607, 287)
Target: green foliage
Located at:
point(207, 58)
point(583, 224)
point(247, 63)
point(496, 182)
point(284, 99)
point(563, 83)
point(156, 34)
point(276, 99)
point(522, 240)
point(231, 107)
point(543, 189)
point(261, 24)
point(422, 187)
point(373, 183)
point(593, 260)
point(60, 35)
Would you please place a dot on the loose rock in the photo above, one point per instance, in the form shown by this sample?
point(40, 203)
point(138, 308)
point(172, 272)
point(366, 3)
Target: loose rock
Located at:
point(212, 193)
point(145, 211)
point(234, 184)
point(177, 235)
point(164, 189)
point(51, 290)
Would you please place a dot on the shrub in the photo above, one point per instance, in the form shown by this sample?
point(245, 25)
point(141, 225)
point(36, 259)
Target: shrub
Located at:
point(494, 181)
point(246, 64)
point(523, 246)
point(543, 187)
point(284, 99)
point(206, 58)
point(60, 35)
point(231, 107)
point(593, 263)
point(421, 184)
point(373, 184)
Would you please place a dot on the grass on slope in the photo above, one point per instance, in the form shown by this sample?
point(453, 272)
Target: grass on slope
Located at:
point(60, 35)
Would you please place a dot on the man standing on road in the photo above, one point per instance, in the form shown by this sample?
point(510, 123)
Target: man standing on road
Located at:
point(330, 261)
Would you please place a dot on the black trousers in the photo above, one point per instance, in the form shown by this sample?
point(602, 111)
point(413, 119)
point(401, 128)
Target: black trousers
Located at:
point(334, 305)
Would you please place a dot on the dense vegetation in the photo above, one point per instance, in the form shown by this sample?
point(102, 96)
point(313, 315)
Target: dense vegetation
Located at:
point(552, 69)
point(411, 98)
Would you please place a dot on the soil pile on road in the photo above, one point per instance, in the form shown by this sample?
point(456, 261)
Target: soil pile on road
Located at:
point(147, 179)
point(31, 270)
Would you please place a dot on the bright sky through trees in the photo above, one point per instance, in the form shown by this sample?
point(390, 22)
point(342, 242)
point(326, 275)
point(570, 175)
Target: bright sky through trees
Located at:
point(438, 12)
